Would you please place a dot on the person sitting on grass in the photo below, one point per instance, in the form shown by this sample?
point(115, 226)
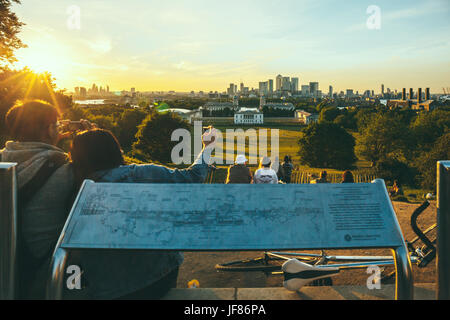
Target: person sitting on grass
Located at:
point(322, 179)
point(239, 172)
point(396, 189)
point(265, 174)
point(347, 177)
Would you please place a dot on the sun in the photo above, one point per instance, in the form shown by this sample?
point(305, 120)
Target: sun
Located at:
point(43, 57)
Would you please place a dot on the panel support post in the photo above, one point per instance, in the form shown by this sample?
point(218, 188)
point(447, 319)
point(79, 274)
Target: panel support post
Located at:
point(443, 231)
point(56, 279)
point(404, 286)
point(8, 232)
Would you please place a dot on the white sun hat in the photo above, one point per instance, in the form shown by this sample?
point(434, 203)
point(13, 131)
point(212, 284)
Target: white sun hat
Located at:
point(240, 159)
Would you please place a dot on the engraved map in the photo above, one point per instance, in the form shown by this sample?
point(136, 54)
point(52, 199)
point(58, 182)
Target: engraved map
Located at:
point(231, 217)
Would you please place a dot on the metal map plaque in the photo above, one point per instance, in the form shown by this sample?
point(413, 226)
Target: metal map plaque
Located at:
point(211, 217)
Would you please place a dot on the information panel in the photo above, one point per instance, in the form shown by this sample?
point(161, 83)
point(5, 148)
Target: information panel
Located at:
point(191, 217)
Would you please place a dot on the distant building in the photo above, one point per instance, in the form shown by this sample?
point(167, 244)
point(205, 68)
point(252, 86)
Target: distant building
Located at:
point(415, 104)
point(313, 88)
point(270, 86)
point(294, 85)
point(248, 116)
point(349, 93)
point(286, 84)
point(263, 88)
point(276, 105)
point(330, 91)
point(306, 117)
point(217, 106)
point(305, 90)
point(279, 82)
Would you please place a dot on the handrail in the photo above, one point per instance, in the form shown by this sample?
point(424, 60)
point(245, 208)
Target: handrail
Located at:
point(8, 231)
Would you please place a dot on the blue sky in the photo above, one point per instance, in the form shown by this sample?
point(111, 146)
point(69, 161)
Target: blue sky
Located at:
point(205, 45)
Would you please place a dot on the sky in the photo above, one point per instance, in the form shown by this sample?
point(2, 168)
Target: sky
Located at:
point(208, 44)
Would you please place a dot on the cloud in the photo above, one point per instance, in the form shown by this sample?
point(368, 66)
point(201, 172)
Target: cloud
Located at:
point(100, 45)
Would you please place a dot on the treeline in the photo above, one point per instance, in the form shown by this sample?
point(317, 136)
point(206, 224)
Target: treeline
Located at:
point(144, 133)
point(401, 144)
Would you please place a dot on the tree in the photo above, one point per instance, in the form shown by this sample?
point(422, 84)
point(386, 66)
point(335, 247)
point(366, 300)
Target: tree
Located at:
point(426, 162)
point(326, 145)
point(9, 28)
point(429, 126)
point(329, 114)
point(386, 136)
point(127, 127)
point(154, 136)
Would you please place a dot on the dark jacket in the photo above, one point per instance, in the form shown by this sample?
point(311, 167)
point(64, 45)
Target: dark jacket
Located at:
point(239, 173)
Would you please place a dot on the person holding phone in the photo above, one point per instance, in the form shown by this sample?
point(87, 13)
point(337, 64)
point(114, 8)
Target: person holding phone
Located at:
point(45, 184)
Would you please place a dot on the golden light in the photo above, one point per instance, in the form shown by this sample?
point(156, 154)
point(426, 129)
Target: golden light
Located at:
point(43, 56)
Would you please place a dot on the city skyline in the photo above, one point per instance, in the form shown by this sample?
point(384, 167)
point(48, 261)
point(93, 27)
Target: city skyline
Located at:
point(203, 47)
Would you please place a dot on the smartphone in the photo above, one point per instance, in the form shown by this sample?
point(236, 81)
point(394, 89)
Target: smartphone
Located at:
point(67, 125)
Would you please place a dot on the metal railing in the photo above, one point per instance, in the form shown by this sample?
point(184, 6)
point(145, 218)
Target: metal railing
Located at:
point(443, 232)
point(8, 231)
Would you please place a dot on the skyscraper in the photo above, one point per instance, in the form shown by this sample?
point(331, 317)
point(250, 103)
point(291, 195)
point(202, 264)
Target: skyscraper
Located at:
point(279, 81)
point(286, 84)
point(263, 88)
point(330, 91)
point(313, 88)
point(294, 85)
point(270, 86)
point(305, 90)
point(382, 89)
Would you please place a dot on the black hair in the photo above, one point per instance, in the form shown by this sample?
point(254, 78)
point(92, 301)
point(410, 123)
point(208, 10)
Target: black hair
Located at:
point(94, 150)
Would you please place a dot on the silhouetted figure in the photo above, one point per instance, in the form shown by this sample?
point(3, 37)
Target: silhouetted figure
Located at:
point(322, 179)
point(288, 167)
point(239, 172)
point(347, 177)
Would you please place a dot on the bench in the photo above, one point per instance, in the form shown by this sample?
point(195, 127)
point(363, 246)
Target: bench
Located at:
point(217, 217)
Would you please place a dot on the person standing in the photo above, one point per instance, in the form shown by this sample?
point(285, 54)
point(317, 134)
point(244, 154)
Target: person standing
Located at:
point(239, 172)
point(288, 167)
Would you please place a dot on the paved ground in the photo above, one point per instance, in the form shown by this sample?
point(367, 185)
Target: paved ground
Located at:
point(200, 266)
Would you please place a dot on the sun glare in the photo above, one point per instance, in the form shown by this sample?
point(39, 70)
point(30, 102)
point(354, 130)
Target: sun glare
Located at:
point(41, 57)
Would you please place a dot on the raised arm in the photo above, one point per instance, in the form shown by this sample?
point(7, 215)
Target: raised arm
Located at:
point(196, 173)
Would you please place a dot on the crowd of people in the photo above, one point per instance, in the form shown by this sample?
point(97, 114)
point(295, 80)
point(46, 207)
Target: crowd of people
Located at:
point(49, 180)
point(270, 174)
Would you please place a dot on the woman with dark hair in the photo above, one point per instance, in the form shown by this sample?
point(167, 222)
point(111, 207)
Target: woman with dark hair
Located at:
point(93, 151)
point(96, 155)
point(347, 177)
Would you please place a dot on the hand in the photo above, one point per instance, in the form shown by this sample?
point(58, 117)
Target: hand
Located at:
point(209, 137)
point(87, 125)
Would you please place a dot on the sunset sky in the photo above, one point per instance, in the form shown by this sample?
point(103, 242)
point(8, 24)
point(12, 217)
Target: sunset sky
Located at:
point(206, 45)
